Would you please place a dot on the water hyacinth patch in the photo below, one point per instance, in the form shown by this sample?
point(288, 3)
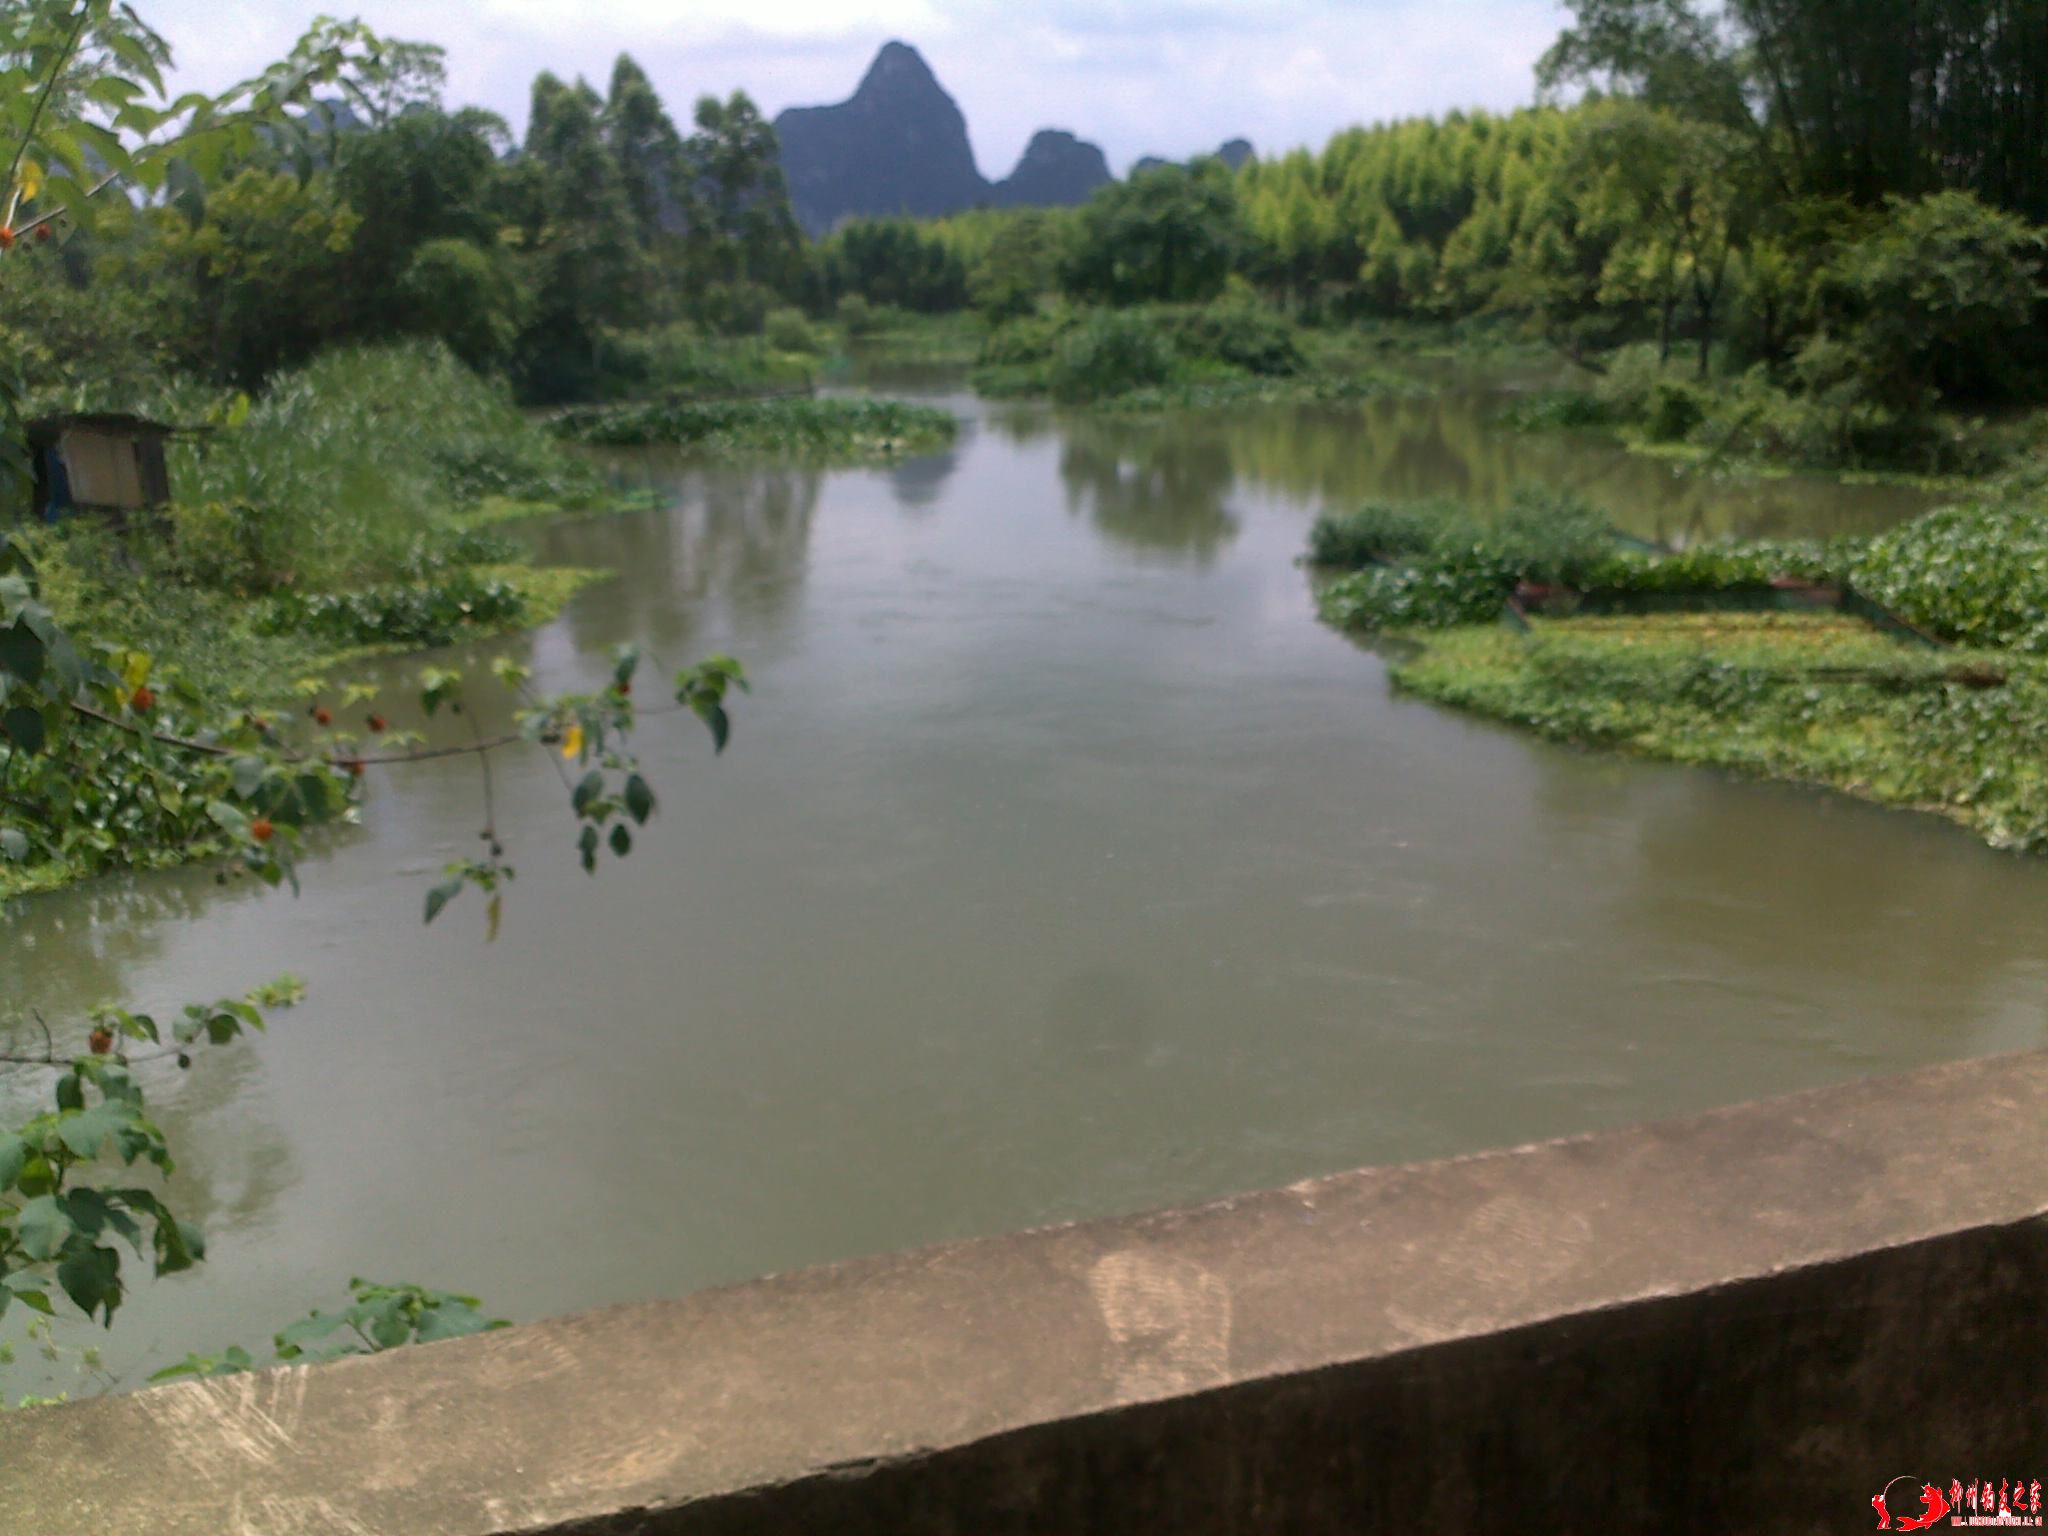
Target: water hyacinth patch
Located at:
point(833, 428)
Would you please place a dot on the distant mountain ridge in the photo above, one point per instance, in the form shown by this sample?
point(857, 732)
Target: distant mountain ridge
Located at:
point(899, 145)
point(1235, 153)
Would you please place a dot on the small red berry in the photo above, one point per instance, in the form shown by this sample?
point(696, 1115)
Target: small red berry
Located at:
point(42, 232)
point(144, 701)
point(375, 722)
point(261, 829)
point(323, 716)
point(355, 769)
point(625, 690)
point(6, 237)
point(101, 1040)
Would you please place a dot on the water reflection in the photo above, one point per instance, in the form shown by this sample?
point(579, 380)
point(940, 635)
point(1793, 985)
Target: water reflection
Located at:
point(919, 481)
point(1446, 447)
point(70, 953)
point(725, 538)
point(1149, 484)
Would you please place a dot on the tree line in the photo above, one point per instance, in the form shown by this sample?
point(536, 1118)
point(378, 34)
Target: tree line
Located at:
point(541, 259)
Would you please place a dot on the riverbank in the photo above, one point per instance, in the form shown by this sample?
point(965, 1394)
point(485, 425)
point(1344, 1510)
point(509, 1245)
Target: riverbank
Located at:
point(1809, 698)
point(1163, 357)
point(1917, 679)
point(836, 430)
point(1747, 424)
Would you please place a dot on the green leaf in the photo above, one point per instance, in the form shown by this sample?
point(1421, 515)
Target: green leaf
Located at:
point(587, 846)
point(441, 895)
point(292, 1341)
point(24, 727)
point(227, 818)
point(721, 729)
point(92, 1212)
point(70, 1092)
point(13, 1158)
point(14, 844)
point(622, 840)
point(639, 800)
point(43, 1227)
point(86, 1134)
point(36, 1298)
point(91, 1277)
point(21, 653)
point(452, 1320)
point(587, 790)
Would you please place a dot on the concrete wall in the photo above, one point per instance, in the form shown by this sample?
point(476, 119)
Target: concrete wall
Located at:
point(1751, 1321)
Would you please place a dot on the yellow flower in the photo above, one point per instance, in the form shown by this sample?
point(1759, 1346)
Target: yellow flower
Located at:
point(572, 742)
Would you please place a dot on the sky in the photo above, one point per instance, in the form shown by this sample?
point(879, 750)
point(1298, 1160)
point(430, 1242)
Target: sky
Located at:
point(1138, 77)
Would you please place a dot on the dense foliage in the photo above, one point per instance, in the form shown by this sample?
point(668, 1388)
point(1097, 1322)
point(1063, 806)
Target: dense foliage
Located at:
point(1083, 355)
point(1823, 699)
point(806, 427)
point(1976, 575)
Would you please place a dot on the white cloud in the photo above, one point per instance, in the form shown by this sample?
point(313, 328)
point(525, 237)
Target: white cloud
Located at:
point(1138, 77)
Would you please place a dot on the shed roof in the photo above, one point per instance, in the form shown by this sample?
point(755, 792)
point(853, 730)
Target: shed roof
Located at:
point(47, 429)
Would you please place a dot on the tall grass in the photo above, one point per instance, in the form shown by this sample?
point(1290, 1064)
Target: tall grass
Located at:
point(853, 428)
point(1087, 355)
point(345, 469)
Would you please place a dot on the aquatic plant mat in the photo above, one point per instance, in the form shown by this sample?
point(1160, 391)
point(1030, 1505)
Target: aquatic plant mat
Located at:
point(835, 428)
point(1820, 697)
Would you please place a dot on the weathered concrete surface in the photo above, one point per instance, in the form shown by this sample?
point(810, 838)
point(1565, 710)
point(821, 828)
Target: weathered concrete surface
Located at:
point(1749, 1321)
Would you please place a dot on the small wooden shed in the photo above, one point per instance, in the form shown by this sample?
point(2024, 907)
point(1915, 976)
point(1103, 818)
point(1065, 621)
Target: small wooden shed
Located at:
point(99, 462)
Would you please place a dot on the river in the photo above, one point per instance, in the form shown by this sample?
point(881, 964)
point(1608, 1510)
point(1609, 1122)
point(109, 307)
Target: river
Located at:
point(1062, 864)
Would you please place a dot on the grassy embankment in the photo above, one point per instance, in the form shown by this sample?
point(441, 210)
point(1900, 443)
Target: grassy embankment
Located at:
point(340, 517)
point(1748, 423)
point(1960, 729)
point(1178, 357)
point(789, 428)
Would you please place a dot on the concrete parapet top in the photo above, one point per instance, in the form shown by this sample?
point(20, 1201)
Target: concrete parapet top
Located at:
point(659, 1407)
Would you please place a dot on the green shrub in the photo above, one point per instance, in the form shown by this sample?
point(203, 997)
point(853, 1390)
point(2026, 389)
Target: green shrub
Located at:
point(466, 296)
point(1726, 567)
point(858, 315)
point(1376, 532)
point(734, 309)
point(1557, 410)
point(1238, 335)
point(341, 466)
point(1974, 574)
point(1111, 353)
point(1633, 373)
point(1462, 569)
point(1675, 409)
point(680, 359)
point(413, 615)
point(788, 331)
point(838, 427)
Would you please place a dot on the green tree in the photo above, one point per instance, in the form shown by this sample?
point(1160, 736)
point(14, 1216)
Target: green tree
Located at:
point(648, 149)
point(1168, 235)
point(424, 176)
point(741, 229)
point(1930, 303)
point(890, 261)
point(587, 270)
point(468, 296)
point(264, 276)
point(1021, 264)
